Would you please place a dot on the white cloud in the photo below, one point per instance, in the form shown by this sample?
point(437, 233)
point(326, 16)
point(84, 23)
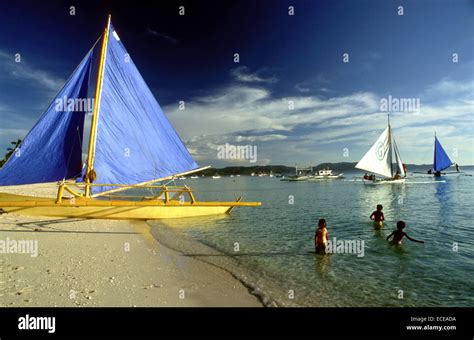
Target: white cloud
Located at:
point(265, 138)
point(243, 74)
point(447, 87)
point(249, 114)
point(301, 88)
point(320, 83)
point(22, 71)
point(12, 134)
point(160, 35)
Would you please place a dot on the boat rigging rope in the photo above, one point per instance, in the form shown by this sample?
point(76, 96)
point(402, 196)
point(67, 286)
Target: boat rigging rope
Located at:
point(70, 153)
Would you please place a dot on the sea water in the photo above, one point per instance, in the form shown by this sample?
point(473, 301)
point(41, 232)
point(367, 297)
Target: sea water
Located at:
point(270, 247)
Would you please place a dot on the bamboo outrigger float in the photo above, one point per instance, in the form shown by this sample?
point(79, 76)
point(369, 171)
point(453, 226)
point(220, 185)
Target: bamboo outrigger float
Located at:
point(126, 116)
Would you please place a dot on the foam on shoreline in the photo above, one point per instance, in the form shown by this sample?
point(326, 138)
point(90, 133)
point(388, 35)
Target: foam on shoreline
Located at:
point(262, 288)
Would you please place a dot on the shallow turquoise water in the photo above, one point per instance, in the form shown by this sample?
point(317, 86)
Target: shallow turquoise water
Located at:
point(274, 240)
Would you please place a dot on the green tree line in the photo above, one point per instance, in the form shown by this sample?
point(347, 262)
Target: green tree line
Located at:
point(10, 151)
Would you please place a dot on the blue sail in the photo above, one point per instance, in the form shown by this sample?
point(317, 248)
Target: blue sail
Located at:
point(441, 159)
point(135, 141)
point(52, 150)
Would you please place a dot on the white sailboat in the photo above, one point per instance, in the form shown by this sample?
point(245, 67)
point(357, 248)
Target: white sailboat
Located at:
point(378, 160)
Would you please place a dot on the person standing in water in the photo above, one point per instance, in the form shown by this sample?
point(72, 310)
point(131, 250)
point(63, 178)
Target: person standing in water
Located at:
point(399, 234)
point(321, 237)
point(378, 217)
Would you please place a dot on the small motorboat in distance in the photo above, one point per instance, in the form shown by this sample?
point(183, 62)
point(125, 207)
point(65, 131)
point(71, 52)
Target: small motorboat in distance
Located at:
point(300, 175)
point(326, 173)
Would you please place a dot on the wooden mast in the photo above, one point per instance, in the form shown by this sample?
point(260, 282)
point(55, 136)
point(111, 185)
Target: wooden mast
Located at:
point(95, 115)
point(390, 144)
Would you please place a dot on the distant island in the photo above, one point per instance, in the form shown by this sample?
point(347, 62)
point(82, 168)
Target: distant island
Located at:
point(290, 170)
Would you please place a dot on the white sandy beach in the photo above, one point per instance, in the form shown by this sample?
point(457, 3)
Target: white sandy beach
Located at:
point(105, 263)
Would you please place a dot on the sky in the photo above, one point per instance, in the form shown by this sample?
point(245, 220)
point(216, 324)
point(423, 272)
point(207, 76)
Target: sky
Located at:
point(307, 88)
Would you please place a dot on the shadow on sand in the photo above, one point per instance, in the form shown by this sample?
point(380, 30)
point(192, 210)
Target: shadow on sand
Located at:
point(37, 226)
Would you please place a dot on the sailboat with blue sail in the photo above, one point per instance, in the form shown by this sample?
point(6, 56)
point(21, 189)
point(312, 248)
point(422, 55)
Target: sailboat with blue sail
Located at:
point(131, 145)
point(441, 160)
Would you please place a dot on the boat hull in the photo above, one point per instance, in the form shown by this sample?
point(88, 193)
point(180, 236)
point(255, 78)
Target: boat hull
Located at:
point(384, 181)
point(297, 179)
point(96, 209)
point(324, 177)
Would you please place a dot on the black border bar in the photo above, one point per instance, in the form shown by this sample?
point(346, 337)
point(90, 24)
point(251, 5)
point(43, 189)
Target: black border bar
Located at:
point(241, 322)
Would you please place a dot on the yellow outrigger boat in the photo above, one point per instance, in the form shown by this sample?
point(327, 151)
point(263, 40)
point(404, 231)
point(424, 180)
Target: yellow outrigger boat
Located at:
point(146, 209)
point(131, 142)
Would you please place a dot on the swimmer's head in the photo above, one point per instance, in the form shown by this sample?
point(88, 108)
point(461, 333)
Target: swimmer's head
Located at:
point(322, 223)
point(379, 207)
point(401, 225)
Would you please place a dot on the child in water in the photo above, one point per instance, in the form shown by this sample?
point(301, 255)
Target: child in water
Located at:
point(378, 217)
point(321, 237)
point(399, 234)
